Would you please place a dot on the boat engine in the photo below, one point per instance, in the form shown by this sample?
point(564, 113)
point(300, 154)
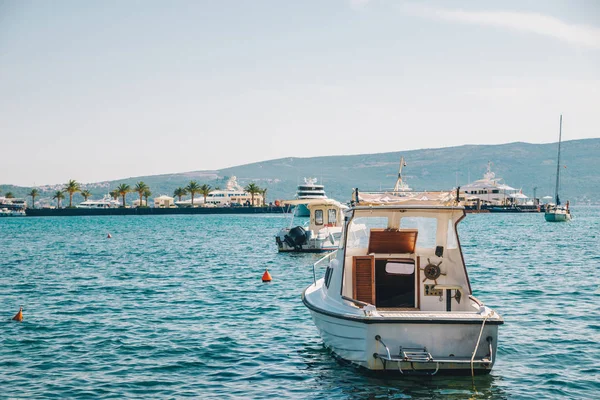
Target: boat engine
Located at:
point(296, 237)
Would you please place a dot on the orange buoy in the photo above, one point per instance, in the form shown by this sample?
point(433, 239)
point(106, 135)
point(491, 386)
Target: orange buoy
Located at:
point(109, 236)
point(19, 315)
point(266, 276)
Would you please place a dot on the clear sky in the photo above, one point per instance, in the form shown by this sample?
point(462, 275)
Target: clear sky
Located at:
point(100, 90)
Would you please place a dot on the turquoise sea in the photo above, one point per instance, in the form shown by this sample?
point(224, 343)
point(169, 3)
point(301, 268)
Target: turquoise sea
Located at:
point(174, 306)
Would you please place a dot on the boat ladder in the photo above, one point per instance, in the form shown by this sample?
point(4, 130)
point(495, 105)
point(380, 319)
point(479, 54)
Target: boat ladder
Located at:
point(420, 355)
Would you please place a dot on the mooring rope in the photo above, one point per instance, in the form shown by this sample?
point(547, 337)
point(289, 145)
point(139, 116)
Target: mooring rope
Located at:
point(477, 345)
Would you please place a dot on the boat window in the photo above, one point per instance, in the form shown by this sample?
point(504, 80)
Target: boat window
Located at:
point(451, 241)
point(400, 268)
point(328, 274)
point(331, 216)
point(318, 217)
point(427, 228)
point(360, 229)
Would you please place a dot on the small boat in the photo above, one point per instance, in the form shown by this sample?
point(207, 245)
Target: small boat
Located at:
point(401, 185)
point(323, 231)
point(308, 190)
point(396, 295)
point(556, 212)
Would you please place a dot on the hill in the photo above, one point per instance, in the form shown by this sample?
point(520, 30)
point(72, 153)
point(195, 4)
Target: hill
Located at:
point(522, 165)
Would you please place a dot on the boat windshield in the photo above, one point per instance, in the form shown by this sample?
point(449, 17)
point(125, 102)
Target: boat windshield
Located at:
point(359, 229)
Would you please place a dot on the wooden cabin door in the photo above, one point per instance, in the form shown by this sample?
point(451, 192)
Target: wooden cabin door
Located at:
point(363, 273)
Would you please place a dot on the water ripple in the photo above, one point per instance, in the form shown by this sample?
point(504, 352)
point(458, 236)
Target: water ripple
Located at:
point(173, 306)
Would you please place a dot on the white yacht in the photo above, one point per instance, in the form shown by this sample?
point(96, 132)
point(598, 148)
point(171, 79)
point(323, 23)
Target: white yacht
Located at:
point(396, 295)
point(106, 202)
point(556, 212)
point(308, 190)
point(232, 195)
point(321, 234)
point(490, 190)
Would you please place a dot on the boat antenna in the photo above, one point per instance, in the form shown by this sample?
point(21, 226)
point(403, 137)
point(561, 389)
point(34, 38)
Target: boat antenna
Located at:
point(558, 164)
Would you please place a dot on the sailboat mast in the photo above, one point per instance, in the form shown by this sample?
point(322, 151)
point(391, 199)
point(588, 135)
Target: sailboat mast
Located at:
point(558, 164)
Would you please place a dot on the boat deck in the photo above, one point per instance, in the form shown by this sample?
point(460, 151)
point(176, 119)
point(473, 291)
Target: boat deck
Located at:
point(433, 315)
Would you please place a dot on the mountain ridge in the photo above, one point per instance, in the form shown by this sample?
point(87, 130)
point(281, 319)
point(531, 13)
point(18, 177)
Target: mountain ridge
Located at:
point(521, 164)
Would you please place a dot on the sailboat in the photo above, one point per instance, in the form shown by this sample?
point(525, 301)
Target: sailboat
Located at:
point(556, 212)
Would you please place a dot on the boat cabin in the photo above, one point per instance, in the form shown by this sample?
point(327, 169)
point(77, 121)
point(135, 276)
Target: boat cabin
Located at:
point(325, 213)
point(403, 257)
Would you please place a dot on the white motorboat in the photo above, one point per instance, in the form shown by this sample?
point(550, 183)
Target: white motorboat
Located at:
point(106, 202)
point(323, 231)
point(308, 190)
point(396, 295)
point(556, 212)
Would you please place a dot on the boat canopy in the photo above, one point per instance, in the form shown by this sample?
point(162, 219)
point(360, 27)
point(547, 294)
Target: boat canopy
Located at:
point(314, 202)
point(447, 198)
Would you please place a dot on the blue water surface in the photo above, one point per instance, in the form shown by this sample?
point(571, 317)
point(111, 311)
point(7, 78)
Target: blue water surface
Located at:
point(173, 306)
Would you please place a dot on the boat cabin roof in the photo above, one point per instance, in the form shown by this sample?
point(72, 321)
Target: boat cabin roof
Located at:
point(415, 200)
point(315, 202)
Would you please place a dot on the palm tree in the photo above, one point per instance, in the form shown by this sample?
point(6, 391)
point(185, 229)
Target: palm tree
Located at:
point(34, 193)
point(123, 189)
point(264, 194)
point(205, 190)
point(71, 187)
point(58, 196)
point(179, 192)
point(86, 194)
point(147, 193)
point(252, 189)
point(192, 188)
point(114, 194)
point(140, 187)
point(9, 195)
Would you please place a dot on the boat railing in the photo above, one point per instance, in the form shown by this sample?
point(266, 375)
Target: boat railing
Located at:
point(324, 261)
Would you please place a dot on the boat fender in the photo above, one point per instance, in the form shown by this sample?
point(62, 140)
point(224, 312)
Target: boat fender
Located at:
point(331, 238)
point(484, 310)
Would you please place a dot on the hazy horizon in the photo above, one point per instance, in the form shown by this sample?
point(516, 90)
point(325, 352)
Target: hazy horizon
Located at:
point(98, 91)
point(62, 182)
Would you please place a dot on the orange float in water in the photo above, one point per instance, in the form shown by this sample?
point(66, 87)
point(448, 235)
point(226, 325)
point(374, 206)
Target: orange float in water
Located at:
point(266, 276)
point(19, 315)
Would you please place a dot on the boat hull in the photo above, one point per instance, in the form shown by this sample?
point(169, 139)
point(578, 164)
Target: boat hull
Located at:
point(451, 344)
point(557, 217)
point(302, 211)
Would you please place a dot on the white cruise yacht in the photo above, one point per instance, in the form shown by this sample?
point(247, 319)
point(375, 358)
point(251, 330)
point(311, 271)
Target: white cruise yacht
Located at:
point(308, 190)
point(396, 295)
point(233, 194)
point(491, 190)
point(106, 202)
